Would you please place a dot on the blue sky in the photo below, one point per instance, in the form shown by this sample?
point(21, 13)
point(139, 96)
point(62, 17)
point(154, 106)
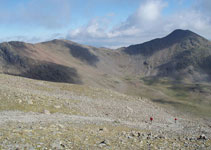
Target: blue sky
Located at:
point(108, 23)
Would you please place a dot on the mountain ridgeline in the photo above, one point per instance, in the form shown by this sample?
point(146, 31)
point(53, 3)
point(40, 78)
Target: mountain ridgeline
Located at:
point(181, 55)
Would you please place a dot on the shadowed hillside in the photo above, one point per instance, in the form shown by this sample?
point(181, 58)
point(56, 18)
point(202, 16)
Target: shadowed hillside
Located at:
point(83, 54)
point(14, 63)
point(52, 72)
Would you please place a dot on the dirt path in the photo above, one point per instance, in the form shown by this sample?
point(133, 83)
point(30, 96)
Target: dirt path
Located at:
point(31, 117)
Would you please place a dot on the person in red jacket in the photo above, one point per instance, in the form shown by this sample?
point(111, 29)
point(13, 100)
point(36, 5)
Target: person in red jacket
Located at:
point(175, 119)
point(151, 119)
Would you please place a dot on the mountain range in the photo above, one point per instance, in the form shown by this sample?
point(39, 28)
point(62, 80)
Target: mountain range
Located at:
point(181, 58)
point(180, 55)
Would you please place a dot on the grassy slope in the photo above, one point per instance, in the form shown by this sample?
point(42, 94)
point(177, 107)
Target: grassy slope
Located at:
point(18, 93)
point(185, 98)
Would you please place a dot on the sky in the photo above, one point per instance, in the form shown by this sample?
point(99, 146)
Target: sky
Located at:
point(101, 23)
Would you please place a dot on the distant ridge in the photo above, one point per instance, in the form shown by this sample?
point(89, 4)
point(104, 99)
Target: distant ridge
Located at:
point(180, 55)
point(148, 48)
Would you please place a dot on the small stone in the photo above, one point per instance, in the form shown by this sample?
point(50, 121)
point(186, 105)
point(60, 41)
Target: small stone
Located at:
point(124, 133)
point(20, 101)
point(56, 145)
point(30, 102)
point(202, 137)
point(133, 133)
point(129, 137)
point(149, 134)
point(161, 137)
point(61, 126)
point(62, 145)
point(186, 144)
point(57, 106)
point(130, 109)
point(47, 112)
point(103, 129)
point(104, 143)
point(117, 121)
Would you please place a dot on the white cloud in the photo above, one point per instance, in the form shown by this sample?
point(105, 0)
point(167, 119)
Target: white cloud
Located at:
point(146, 23)
point(97, 30)
point(150, 10)
point(194, 20)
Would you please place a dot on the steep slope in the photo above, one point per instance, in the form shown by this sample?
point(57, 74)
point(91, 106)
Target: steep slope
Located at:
point(180, 55)
point(18, 58)
point(53, 61)
point(62, 61)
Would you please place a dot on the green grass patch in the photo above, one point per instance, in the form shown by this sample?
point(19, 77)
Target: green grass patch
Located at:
point(185, 97)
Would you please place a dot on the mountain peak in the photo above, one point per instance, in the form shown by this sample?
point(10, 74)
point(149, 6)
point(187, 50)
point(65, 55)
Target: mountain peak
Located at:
point(178, 36)
point(181, 34)
point(182, 31)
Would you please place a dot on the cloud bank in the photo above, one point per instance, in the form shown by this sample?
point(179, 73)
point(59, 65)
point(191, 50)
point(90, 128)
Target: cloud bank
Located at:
point(146, 23)
point(50, 19)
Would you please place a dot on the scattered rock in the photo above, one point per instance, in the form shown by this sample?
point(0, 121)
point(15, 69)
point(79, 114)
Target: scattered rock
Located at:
point(202, 137)
point(129, 137)
point(57, 106)
point(62, 145)
point(161, 136)
point(117, 121)
point(185, 144)
point(124, 133)
point(133, 133)
point(130, 109)
point(57, 144)
point(104, 143)
point(47, 112)
point(20, 101)
point(61, 126)
point(103, 129)
point(30, 102)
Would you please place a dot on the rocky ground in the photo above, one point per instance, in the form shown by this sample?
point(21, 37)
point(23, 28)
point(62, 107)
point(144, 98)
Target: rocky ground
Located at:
point(58, 131)
point(44, 115)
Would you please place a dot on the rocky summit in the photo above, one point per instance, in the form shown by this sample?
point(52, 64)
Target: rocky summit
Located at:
point(63, 95)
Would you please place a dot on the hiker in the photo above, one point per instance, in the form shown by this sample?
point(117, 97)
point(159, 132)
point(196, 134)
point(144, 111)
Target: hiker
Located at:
point(175, 119)
point(151, 119)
